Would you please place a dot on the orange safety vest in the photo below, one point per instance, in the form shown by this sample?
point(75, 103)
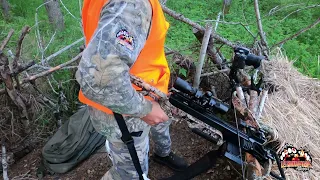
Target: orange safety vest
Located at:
point(151, 65)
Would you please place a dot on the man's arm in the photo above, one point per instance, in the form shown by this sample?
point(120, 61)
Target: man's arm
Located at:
point(103, 72)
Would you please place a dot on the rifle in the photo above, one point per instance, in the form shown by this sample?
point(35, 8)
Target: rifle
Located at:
point(204, 107)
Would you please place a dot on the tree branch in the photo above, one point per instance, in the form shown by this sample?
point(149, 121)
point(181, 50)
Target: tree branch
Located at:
point(261, 33)
point(203, 51)
point(62, 50)
point(308, 7)
point(15, 66)
point(196, 25)
point(298, 33)
point(47, 72)
point(51, 70)
point(24, 32)
point(5, 42)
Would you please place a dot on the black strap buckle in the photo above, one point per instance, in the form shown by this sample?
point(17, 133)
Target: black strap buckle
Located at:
point(127, 140)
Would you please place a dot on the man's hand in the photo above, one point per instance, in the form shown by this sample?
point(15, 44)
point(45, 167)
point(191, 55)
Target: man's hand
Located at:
point(156, 116)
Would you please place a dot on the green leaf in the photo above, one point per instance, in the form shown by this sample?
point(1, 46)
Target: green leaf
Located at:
point(183, 72)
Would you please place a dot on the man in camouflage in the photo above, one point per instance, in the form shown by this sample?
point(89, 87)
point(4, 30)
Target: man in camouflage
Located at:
point(103, 75)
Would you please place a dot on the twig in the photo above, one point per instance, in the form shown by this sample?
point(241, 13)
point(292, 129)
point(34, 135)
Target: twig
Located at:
point(5, 42)
point(262, 34)
point(263, 98)
point(51, 39)
point(37, 32)
point(80, 8)
point(51, 86)
point(205, 42)
point(51, 70)
point(298, 33)
point(241, 95)
point(24, 32)
point(195, 25)
point(216, 72)
point(217, 22)
point(45, 73)
point(308, 7)
point(22, 68)
point(63, 50)
point(4, 161)
point(318, 65)
point(233, 23)
point(243, 14)
point(69, 11)
point(276, 9)
point(15, 66)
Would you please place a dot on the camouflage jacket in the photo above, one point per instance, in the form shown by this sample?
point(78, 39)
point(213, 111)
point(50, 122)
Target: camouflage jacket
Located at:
point(103, 72)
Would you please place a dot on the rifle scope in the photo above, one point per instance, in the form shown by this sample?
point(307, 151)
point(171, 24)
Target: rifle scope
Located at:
point(204, 98)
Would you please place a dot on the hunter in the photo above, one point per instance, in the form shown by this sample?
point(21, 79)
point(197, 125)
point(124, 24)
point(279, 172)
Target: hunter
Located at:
point(126, 37)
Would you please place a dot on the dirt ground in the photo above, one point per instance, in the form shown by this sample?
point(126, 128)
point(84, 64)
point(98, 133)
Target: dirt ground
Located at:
point(184, 143)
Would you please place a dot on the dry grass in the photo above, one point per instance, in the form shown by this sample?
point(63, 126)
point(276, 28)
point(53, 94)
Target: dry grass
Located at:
point(294, 110)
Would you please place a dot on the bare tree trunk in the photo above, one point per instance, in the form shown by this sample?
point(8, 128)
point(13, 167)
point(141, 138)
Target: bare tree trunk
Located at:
point(54, 14)
point(5, 8)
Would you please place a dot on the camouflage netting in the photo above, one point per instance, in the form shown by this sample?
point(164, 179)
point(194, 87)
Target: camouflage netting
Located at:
point(293, 109)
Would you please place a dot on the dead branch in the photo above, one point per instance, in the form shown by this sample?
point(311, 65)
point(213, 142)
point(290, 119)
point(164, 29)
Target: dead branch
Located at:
point(24, 32)
point(277, 9)
point(245, 26)
point(196, 81)
point(62, 50)
point(298, 33)
point(15, 66)
point(254, 102)
point(5, 42)
point(22, 68)
point(211, 51)
point(51, 70)
point(240, 95)
point(261, 32)
point(216, 72)
point(47, 72)
point(4, 160)
point(217, 22)
point(10, 89)
point(308, 7)
point(196, 25)
point(263, 98)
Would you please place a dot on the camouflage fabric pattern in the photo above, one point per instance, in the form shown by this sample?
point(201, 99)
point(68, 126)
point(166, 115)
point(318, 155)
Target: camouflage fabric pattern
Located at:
point(103, 71)
point(103, 75)
point(123, 167)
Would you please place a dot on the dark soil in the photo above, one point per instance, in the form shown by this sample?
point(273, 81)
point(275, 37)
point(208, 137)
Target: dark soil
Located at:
point(184, 143)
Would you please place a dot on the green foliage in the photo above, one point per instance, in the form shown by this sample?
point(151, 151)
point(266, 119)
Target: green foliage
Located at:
point(304, 49)
point(183, 72)
point(24, 13)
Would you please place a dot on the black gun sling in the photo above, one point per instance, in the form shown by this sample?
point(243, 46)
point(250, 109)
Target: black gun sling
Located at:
point(128, 140)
